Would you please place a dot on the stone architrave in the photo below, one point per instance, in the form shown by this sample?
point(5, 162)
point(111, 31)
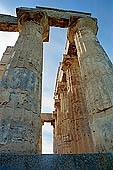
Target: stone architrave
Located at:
point(21, 87)
point(97, 77)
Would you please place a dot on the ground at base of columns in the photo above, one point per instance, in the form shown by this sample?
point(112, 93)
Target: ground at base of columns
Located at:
point(96, 161)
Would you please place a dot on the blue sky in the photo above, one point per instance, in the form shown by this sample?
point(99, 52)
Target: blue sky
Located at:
point(53, 51)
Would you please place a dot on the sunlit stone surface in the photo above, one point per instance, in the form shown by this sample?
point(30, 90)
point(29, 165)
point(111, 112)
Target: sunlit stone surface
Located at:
point(82, 119)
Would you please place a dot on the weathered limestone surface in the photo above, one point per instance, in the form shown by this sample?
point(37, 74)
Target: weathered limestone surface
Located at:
point(45, 117)
point(72, 132)
point(40, 139)
point(82, 137)
point(5, 59)
point(97, 76)
point(20, 100)
point(8, 23)
point(56, 17)
point(83, 116)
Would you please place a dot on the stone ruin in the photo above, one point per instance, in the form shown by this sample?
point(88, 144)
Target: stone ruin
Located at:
point(83, 99)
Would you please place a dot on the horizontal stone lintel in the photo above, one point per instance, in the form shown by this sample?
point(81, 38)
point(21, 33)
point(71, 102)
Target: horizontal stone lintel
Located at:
point(57, 17)
point(47, 117)
point(8, 23)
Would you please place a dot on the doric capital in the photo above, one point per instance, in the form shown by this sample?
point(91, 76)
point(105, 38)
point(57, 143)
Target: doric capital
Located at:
point(67, 62)
point(70, 48)
point(81, 24)
point(40, 18)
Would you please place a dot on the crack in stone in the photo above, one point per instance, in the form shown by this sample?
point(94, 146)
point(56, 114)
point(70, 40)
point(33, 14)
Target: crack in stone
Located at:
point(103, 110)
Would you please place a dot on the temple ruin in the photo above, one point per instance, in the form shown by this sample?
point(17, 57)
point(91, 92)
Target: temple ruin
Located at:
point(82, 118)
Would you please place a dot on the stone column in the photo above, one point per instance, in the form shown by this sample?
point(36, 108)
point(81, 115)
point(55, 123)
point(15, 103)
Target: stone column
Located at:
point(97, 76)
point(21, 86)
point(54, 131)
point(81, 141)
point(57, 130)
point(40, 140)
point(63, 121)
point(54, 141)
point(5, 59)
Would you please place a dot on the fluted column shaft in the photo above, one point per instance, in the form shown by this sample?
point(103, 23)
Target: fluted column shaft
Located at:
point(20, 90)
point(57, 130)
point(65, 124)
point(97, 76)
point(81, 137)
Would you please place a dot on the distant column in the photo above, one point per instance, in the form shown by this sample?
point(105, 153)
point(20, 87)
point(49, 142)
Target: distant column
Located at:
point(66, 135)
point(40, 140)
point(57, 130)
point(54, 131)
point(97, 77)
point(21, 86)
point(80, 133)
